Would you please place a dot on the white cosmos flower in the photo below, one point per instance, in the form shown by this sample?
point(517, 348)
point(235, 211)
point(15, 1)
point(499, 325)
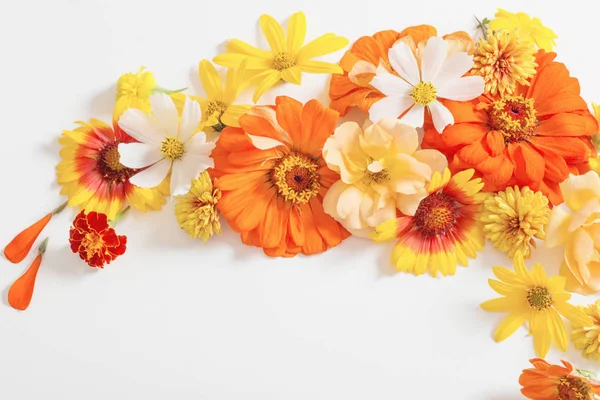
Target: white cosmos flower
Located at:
point(417, 88)
point(167, 143)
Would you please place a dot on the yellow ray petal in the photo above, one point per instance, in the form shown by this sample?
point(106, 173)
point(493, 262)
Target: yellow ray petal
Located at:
point(234, 60)
point(539, 275)
point(325, 44)
point(501, 304)
point(573, 314)
point(234, 82)
point(210, 80)
point(292, 75)
point(320, 67)
point(541, 333)
point(273, 33)
point(233, 113)
point(509, 325)
point(266, 81)
point(557, 329)
point(507, 276)
point(237, 46)
point(296, 32)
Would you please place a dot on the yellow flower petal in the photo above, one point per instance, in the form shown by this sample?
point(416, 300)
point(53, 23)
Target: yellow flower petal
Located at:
point(234, 82)
point(296, 32)
point(507, 276)
point(292, 75)
point(325, 44)
point(509, 325)
point(234, 60)
point(238, 46)
point(210, 80)
point(233, 113)
point(556, 284)
point(501, 287)
point(320, 67)
point(557, 330)
point(266, 80)
point(539, 275)
point(541, 334)
point(273, 33)
point(501, 304)
point(573, 314)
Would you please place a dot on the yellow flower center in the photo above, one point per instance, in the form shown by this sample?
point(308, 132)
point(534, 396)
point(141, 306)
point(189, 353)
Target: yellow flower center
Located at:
point(572, 388)
point(424, 93)
point(379, 177)
point(172, 148)
point(109, 164)
point(283, 61)
point(514, 116)
point(296, 178)
point(539, 298)
point(93, 243)
point(437, 214)
point(216, 107)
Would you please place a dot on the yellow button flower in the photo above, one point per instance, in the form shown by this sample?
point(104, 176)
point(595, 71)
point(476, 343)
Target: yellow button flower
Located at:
point(527, 28)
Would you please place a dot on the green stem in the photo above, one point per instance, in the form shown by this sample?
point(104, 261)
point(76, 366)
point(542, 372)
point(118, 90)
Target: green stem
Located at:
point(59, 209)
point(158, 89)
point(43, 246)
point(482, 27)
point(118, 217)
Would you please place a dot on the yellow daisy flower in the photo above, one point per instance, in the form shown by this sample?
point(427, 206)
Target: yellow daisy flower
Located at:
point(527, 28)
point(288, 58)
point(197, 211)
point(529, 296)
point(513, 217)
point(218, 110)
point(587, 337)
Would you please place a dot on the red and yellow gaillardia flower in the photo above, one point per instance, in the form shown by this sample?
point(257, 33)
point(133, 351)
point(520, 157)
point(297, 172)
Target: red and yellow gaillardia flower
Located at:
point(547, 381)
point(94, 240)
point(369, 55)
point(444, 231)
point(273, 178)
point(535, 137)
point(92, 176)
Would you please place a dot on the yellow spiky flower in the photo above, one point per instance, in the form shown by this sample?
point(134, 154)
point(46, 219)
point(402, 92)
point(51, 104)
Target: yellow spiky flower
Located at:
point(513, 218)
point(587, 337)
point(197, 211)
point(528, 29)
point(503, 61)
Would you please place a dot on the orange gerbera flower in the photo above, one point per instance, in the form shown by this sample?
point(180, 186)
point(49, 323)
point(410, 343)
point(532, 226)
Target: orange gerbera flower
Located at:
point(556, 382)
point(536, 137)
point(369, 54)
point(273, 178)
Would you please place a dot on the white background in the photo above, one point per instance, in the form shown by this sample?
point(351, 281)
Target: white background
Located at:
point(178, 319)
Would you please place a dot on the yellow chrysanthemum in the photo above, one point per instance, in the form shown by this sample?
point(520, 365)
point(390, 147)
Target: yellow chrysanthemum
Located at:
point(218, 110)
point(596, 137)
point(503, 61)
point(197, 211)
point(288, 57)
point(513, 217)
point(134, 91)
point(587, 337)
point(528, 29)
point(530, 296)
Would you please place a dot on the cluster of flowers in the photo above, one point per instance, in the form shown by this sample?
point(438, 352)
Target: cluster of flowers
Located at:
point(504, 140)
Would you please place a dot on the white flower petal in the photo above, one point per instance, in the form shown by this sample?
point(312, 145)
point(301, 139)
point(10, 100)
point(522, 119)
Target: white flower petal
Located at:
point(441, 116)
point(462, 89)
point(433, 57)
point(153, 175)
point(414, 117)
point(139, 155)
point(186, 170)
point(436, 160)
point(198, 145)
point(404, 63)
point(264, 143)
point(165, 112)
point(190, 119)
point(453, 68)
point(391, 85)
point(375, 167)
point(390, 107)
point(141, 126)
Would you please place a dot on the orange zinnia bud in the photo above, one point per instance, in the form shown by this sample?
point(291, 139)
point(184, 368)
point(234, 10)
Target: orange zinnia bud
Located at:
point(21, 292)
point(20, 246)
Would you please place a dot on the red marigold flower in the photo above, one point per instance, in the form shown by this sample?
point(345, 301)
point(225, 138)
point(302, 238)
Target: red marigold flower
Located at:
point(94, 240)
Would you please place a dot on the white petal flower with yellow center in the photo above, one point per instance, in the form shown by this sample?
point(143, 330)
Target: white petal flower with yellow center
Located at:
point(166, 143)
point(381, 169)
point(420, 83)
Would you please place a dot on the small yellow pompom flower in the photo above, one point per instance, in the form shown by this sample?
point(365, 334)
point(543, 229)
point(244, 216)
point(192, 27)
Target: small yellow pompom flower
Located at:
point(503, 61)
point(513, 217)
point(587, 337)
point(197, 211)
point(528, 29)
point(134, 91)
point(596, 137)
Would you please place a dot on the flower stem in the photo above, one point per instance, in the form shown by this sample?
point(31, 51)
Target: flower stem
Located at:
point(118, 217)
point(482, 27)
point(43, 246)
point(59, 209)
point(158, 89)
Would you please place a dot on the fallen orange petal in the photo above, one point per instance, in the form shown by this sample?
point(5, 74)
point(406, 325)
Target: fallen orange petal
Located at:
point(21, 292)
point(20, 246)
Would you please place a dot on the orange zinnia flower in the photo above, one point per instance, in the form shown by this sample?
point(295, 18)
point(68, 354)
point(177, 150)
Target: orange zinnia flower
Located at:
point(368, 55)
point(555, 382)
point(535, 137)
point(273, 178)
point(21, 291)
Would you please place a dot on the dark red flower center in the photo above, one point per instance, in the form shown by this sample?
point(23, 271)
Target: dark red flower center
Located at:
point(436, 215)
point(572, 388)
point(110, 166)
point(514, 116)
point(296, 177)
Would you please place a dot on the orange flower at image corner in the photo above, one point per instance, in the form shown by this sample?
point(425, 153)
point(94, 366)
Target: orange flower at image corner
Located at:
point(369, 54)
point(273, 178)
point(546, 381)
point(535, 137)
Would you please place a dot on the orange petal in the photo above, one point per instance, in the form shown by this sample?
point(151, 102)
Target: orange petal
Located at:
point(318, 124)
point(21, 292)
point(20, 246)
point(529, 164)
point(495, 142)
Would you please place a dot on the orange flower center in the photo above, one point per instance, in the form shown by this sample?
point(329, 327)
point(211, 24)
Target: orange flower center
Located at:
point(436, 215)
point(296, 178)
point(514, 116)
point(539, 298)
point(110, 166)
point(283, 61)
point(93, 244)
point(572, 388)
